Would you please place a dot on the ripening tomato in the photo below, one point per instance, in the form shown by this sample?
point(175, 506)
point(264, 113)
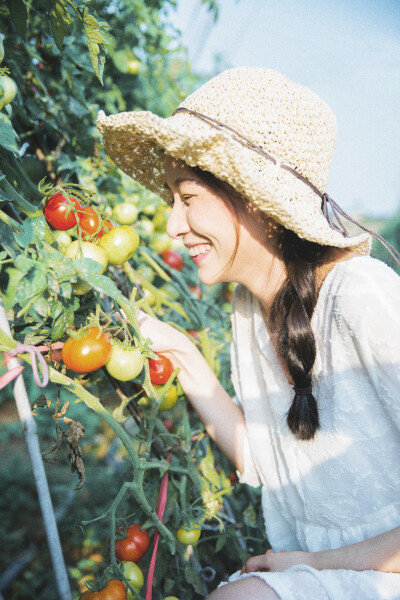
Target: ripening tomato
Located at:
point(196, 291)
point(8, 90)
point(188, 536)
point(124, 364)
point(88, 220)
point(135, 578)
point(160, 370)
point(134, 545)
point(173, 259)
point(114, 590)
point(120, 244)
point(170, 398)
point(126, 213)
point(87, 353)
point(58, 211)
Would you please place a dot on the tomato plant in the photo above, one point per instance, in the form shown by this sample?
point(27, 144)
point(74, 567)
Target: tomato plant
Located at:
point(88, 352)
point(188, 536)
point(124, 364)
point(120, 244)
point(160, 369)
point(126, 213)
point(114, 590)
point(134, 575)
point(8, 90)
point(170, 398)
point(173, 259)
point(58, 211)
point(134, 545)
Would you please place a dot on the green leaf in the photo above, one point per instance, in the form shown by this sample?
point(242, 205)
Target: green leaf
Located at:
point(221, 541)
point(249, 516)
point(15, 276)
point(194, 580)
point(32, 231)
point(19, 15)
point(97, 36)
point(60, 21)
point(8, 136)
point(207, 469)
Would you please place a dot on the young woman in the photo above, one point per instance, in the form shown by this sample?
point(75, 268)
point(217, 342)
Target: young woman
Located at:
point(244, 162)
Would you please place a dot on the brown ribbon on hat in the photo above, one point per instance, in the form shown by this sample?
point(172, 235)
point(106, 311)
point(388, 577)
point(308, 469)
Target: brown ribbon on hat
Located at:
point(327, 201)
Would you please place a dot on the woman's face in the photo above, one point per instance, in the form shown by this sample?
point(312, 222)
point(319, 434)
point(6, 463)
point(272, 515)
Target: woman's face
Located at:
point(221, 244)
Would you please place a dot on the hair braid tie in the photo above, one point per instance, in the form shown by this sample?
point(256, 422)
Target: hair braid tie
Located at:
point(305, 390)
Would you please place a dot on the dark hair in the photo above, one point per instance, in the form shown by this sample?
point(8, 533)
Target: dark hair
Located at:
point(290, 320)
point(291, 312)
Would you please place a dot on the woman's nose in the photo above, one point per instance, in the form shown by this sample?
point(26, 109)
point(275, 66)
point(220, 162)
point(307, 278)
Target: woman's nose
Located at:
point(177, 225)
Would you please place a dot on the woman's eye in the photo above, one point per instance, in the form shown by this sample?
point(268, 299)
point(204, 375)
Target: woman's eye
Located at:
point(186, 197)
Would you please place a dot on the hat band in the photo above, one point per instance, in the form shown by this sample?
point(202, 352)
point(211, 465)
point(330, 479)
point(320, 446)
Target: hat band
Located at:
point(327, 201)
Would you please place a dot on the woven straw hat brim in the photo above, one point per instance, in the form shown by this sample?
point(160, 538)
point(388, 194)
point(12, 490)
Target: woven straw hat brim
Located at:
point(138, 141)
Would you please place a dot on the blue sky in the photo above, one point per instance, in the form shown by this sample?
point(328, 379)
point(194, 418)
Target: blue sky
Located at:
point(347, 51)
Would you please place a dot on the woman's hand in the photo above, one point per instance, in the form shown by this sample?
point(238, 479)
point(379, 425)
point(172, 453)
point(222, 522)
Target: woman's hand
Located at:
point(276, 561)
point(165, 338)
point(223, 420)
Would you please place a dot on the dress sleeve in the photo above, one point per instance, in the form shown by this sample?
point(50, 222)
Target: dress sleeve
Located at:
point(239, 323)
point(367, 315)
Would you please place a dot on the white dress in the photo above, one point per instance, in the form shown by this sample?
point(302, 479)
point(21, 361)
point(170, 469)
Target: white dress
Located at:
point(344, 486)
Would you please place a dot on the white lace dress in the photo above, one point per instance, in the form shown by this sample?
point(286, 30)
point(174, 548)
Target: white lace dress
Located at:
point(344, 486)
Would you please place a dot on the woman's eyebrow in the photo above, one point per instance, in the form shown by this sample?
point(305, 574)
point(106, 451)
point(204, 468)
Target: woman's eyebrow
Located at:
point(180, 180)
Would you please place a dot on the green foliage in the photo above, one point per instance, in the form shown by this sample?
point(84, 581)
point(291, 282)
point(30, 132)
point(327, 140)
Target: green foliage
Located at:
point(69, 59)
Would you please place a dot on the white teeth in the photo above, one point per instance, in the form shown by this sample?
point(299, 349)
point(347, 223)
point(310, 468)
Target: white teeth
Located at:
point(200, 249)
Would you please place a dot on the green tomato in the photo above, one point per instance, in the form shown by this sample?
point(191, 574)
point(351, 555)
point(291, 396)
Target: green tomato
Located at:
point(133, 66)
point(120, 244)
point(171, 598)
point(134, 575)
point(8, 90)
point(63, 240)
point(170, 398)
point(89, 250)
point(188, 536)
point(126, 213)
point(124, 363)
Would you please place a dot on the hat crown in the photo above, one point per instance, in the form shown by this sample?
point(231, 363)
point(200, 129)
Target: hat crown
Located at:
point(282, 117)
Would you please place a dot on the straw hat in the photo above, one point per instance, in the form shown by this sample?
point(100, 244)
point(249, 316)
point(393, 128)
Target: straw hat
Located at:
point(252, 128)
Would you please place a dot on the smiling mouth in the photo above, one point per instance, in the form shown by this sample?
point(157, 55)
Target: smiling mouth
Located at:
point(199, 249)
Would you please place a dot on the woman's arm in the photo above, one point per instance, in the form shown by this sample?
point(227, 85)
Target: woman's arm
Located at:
point(223, 420)
point(379, 553)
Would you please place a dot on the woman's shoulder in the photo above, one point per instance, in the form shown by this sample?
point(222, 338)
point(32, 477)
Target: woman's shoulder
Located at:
point(359, 276)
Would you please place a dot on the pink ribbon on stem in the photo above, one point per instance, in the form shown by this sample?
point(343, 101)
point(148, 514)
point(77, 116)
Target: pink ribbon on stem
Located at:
point(35, 356)
point(161, 503)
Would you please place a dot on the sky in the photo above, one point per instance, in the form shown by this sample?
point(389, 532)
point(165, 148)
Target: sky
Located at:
point(347, 51)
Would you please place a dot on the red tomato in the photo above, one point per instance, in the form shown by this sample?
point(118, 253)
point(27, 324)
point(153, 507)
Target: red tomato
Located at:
point(88, 220)
point(173, 259)
point(87, 353)
point(195, 334)
point(133, 546)
point(196, 291)
point(160, 370)
point(169, 425)
point(58, 211)
point(114, 590)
